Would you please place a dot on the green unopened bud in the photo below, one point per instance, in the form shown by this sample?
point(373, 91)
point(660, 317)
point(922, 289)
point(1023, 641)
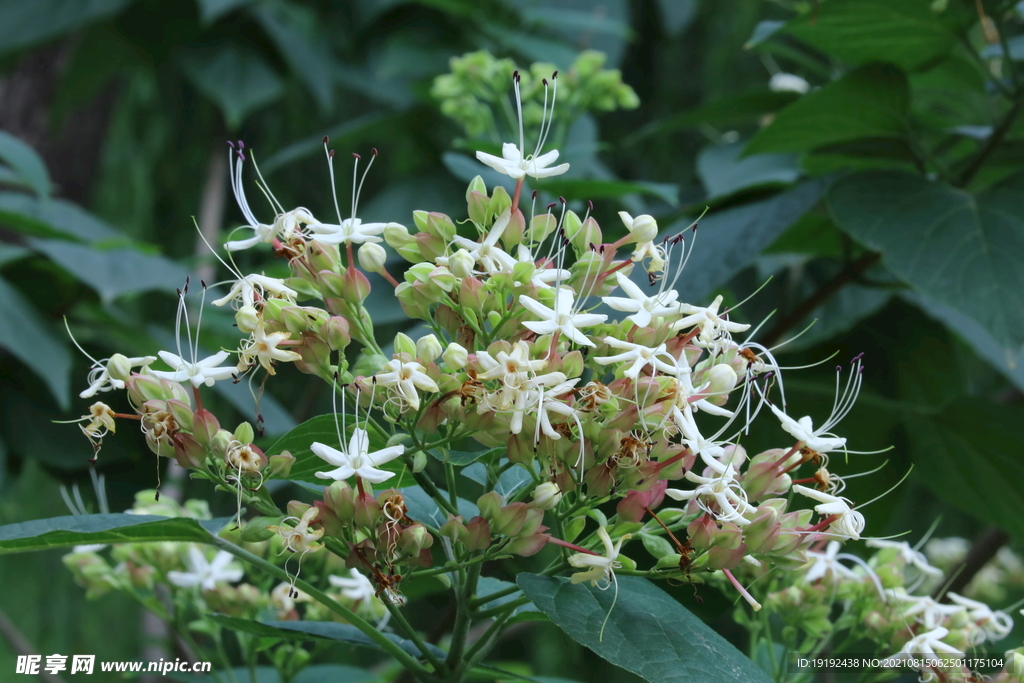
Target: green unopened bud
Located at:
point(477, 184)
point(204, 427)
point(547, 495)
point(541, 226)
point(397, 235)
point(221, 442)
point(296, 508)
point(247, 318)
point(420, 219)
point(440, 225)
point(341, 499)
point(367, 511)
point(357, 287)
point(428, 348)
point(722, 380)
point(119, 367)
point(419, 462)
point(244, 433)
point(332, 286)
point(489, 504)
point(478, 534)
point(477, 203)
point(255, 530)
point(372, 257)
point(443, 278)
point(461, 264)
point(322, 256)
point(455, 357)
point(514, 231)
point(405, 344)
point(281, 464)
point(413, 306)
point(499, 201)
point(336, 333)
point(454, 528)
point(182, 413)
point(414, 539)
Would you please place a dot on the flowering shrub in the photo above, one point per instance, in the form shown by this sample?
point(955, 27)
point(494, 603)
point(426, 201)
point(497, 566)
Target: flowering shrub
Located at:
point(559, 370)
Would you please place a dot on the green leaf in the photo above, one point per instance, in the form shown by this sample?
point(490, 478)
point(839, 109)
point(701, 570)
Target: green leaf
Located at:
point(322, 429)
point(906, 33)
point(62, 532)
point(52, 218)
point(237, 79)
point(293, 28)
point(422, 507)
point(488, 585)
point(870, 102)
point(463, 458)
point(724, 172)
point(730, 240)
point(212, 10)
point(30, 339)
point(317, 673)
point(969, 456)
point(27, 23)
point(725, 111)
point(647, 631)
point(25, 162)
point(586, 188)
point(961, 250)
point(113, 272)
point(657, 546)
point(264, 674)
point(307, 630)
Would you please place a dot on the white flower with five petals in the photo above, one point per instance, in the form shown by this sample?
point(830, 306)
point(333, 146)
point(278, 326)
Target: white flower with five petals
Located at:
point(561, 318)
point(203, 573)
point(405, 378)
point(644, 308)
point(356, 459)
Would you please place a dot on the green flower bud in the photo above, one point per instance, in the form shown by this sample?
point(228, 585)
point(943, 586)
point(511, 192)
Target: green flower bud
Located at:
point(476, 185)
point(477, 204)
point(414, 539)
point(119, 367)
point(356, 286)
point(499, 201)
point(372, 257)
point(336, 333)
point(397, 235)
point(247, 319)
point(244, 433)
point(489, 504)
point(428, 348)
point(281, 464)
point(405, 344)
point(541, 226)
point(461, 264)
point(419, 462)
point(440, 225)
point(547, 495)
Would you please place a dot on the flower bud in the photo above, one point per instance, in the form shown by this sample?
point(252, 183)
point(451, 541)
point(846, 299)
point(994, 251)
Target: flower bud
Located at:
point(478, 534)
point(489, 504)
point(547, 495)
point(204, 427)
point(455, 357)
point(372, 257)
point(336, 333)
point(461, 264)
point(332, 286)
point(367, 511)
point(541, 226)
point(119, 367)
point(340, 498)
point(356, 286)
point(221, 442)
point(643, 228)
point(499, 201)
point(419, 462)
point(244, 433)
point(428, 348)
point(414, 539)
point(322, 256)
point(513, 234)
point(440, 225)
point(413, 305)
point(476, 204)
point(181, 411)
point(527, 545)
point(405, 344)
point(722, 380)
point(477, 184)
point(187, 451)
point(247, 319)
point(397, 235)
point(281, 464)
point(454, 529)
point(762, 533)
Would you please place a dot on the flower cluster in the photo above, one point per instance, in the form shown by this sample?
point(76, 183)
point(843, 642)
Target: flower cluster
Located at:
point(569, 355)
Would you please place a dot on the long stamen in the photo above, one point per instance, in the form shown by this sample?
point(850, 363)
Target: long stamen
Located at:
point(330, 170)
point(359, 192)
point(519, 109)
point(554, 94)
point(543, 119)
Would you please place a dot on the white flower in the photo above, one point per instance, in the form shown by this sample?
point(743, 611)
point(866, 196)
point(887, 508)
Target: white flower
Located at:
point(254, 289)
point(927, 645)
point(356, 459)
point(508, 363)
point(827, 563)
point(356, 588)
point(547, 404)
point(405, 378)
point(205, 371)
point(512, 161)
point(351, 230)
point(712, 326)
point(300, 538)
point(263, 347)
point(643, 307)
point(803, 431)
point(848, 523)
point(783, 82)
point(205, 574)
point(599, 568)
point(640, 355)
point(561, 318)
point(513, 164)
point(491, 258)
point(912, 557)
point(110, 374)
point(995, 625)
point(643, 230)
point(723, 490)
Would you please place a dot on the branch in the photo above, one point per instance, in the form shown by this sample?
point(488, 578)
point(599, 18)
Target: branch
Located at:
point(983, 550)
point(991, 144)
point(807, 306)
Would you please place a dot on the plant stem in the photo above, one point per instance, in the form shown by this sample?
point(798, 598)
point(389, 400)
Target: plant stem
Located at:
point(351, 617)
point(409, 631)
point(498, 611)
point(476, 602)
point(991, 144)
point(463, 616)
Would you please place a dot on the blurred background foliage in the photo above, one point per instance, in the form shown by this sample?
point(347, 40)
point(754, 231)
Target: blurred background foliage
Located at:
point(865, 155)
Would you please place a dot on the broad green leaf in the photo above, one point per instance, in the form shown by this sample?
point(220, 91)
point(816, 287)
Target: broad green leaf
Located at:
point(27, 23)
point(870, 102)
point(306, 630)
point(961, 250)
point(488, 585)
point(730, 240)
point(510, 482)
point(237, 79)
point(322, 429)
point(726, 111)
point(51, 218)
point(62, 532)
point(647, 631)
point(25, 162)
point(969, 455)
point(905, 33)
point(422, 507)
point(840, 313)
point(723, 172)
point(212, 10)
point(9, 253)
point(30, 339)
point(586, 188)
point(113, 272)
point(293, 29)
